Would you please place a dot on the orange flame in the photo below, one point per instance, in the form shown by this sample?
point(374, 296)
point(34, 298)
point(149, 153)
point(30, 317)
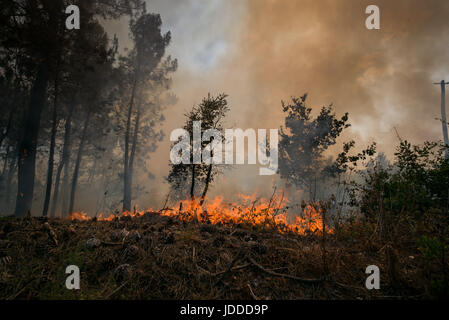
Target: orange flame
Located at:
point(251, 210)
point(82, 216)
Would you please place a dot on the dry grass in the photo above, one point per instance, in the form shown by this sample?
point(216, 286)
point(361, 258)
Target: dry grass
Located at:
point(164, 258)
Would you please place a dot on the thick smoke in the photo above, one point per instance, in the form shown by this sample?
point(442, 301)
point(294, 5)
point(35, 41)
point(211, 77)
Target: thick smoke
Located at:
point(261, 52)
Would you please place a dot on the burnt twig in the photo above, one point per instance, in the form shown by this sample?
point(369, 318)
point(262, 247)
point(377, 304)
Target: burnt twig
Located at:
point(273, 273)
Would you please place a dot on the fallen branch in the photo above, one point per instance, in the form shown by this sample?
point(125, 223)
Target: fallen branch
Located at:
point(273, 273)
point(243, 266)
point(116, 290)
point(348, 286)
point(12, 297)
point(236, 258)
point(105, 243)
point(252, 293)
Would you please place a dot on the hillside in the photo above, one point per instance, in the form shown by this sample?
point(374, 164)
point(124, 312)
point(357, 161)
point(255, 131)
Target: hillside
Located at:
point(159, 257)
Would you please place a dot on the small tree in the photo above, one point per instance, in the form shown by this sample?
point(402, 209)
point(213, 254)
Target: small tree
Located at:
point(303, 142)
point(211, 112)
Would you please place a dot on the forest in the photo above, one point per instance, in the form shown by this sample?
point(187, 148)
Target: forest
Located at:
point(74, 108)
point(80, 120)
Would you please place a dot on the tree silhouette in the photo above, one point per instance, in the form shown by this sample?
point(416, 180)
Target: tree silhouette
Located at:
point(211, 112)
point(303, 141)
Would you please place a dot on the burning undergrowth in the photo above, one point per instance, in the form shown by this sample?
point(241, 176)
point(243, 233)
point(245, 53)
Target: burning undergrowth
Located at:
point(169, 255)
point(251, 211)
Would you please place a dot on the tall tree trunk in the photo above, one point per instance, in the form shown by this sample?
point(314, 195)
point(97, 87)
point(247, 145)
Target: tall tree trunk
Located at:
point(11, 171)
point(28, 145)
point(63, 163)
point(128, 192)
point(66, 179)
point(54, 203)
point(3, 175)
point(78, 163)
point(93, 171)
point(126, 181)
point(65, 188)
point(4, 134)
point(443, 119)
point(52, 151)
point(5, 162)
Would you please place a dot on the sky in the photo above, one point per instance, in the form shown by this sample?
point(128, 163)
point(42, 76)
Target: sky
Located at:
point(260, 52)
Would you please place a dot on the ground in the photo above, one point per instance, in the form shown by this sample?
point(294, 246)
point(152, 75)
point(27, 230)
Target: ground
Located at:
point(159, 257)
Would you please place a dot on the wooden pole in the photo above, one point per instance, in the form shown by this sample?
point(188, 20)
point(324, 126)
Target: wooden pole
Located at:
point(443, 116)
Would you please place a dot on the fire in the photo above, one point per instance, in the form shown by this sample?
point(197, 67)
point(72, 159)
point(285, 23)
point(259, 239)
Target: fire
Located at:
point(250, 211)
point(79, 216)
